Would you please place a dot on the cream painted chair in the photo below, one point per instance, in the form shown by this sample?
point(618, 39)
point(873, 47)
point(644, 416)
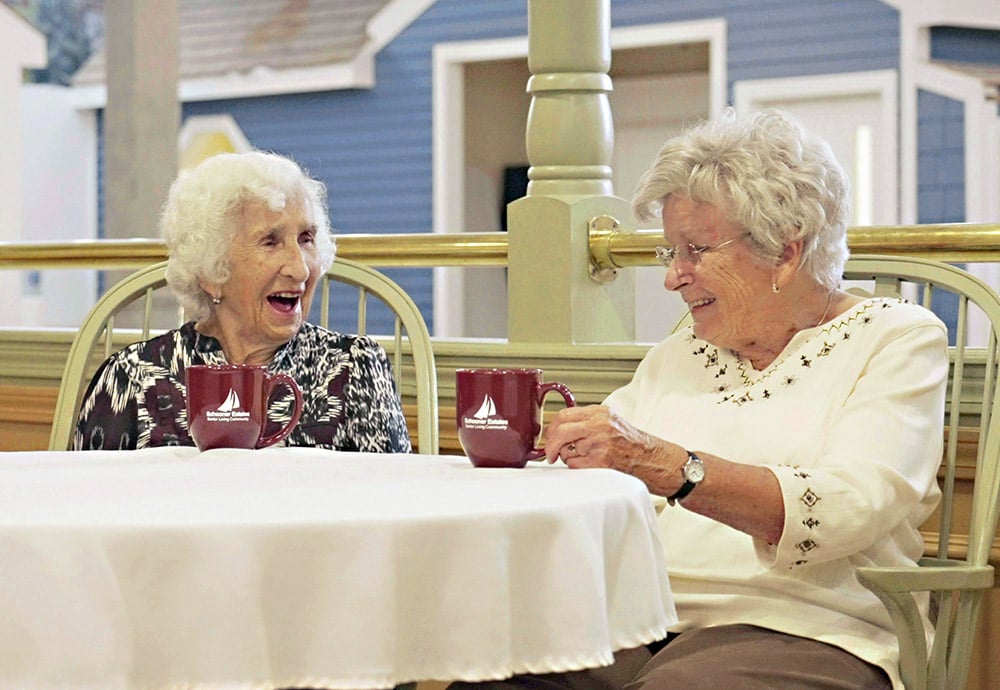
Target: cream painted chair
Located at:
point(409, 346)
point(958, 574)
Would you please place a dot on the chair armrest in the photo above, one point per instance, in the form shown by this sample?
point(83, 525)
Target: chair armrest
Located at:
point(937, 574)
point(919, 668)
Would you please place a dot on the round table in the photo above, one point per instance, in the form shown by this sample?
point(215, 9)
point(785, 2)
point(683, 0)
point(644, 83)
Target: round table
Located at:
point(168, 568)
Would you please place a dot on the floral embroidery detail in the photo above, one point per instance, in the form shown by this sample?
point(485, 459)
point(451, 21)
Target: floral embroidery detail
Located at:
point(711, 355)
point(740, 400)
point(810, 499)
point(806, 545)
point(820, 346)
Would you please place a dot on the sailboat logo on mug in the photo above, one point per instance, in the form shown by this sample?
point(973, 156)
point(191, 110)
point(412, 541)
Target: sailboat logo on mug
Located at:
point(228, 411)
point(485, 418)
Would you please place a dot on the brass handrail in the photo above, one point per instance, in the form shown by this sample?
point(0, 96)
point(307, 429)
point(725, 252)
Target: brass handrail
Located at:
point(954, 242)
point(459, 249)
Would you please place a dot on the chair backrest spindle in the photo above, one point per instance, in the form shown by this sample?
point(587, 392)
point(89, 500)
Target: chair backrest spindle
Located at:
point(957, 582)
point(409, 336)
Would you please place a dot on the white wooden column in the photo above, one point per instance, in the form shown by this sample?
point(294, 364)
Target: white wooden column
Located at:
point(569, 140)
point(142, 116)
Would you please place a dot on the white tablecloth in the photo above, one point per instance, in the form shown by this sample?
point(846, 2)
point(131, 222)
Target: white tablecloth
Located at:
point(169, 568)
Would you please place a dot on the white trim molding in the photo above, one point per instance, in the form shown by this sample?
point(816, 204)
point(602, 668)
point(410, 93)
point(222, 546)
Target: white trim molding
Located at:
point(980, 123)
point(449, 60)
point(982, 170)
point(261, 81)
point(393, 19)
point(357, 73)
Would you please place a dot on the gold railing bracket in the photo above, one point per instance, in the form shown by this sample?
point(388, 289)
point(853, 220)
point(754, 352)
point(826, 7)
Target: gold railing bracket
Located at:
point(600, 231)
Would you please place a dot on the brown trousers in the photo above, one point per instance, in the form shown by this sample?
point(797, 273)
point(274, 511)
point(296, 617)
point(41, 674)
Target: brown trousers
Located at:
point(741, 657)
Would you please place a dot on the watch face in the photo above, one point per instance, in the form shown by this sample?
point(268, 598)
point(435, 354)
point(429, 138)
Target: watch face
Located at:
point(694, 471)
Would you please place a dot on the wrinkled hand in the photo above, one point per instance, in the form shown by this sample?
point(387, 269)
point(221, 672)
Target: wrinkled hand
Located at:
point(594, 436)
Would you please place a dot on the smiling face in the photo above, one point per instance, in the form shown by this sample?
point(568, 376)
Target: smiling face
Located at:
point(274, 266)
point(728, 290)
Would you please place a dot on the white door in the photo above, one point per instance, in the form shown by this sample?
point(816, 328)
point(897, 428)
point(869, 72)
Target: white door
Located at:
point(648, 111)
point(856, 115)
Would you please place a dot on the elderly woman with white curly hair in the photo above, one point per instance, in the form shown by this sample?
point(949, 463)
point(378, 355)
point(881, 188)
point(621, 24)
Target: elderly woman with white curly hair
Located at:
point(248, 237)
point(793, 427)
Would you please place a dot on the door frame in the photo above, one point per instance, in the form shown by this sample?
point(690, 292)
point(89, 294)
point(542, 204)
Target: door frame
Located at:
point(448, 98)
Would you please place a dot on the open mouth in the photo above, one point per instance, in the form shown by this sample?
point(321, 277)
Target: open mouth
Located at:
point(285, 302)
point(695, 304)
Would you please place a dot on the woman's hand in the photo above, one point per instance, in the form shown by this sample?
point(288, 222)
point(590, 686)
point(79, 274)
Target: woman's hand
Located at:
point(595, 436)
point(745, 497)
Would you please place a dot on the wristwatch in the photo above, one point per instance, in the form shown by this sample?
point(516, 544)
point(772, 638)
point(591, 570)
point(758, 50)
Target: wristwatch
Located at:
point(693, 472)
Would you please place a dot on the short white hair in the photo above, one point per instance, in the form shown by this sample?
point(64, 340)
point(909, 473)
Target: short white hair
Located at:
point(200, 217)
point(765, 173)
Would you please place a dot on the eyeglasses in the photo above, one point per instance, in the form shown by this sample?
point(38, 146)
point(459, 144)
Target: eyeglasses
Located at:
point(691, 253)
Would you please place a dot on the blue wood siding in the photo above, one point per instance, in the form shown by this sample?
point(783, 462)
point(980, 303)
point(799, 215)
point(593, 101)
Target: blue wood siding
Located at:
point(960, 44)
point(373, 148)
point(941, 173)
point(941, 159)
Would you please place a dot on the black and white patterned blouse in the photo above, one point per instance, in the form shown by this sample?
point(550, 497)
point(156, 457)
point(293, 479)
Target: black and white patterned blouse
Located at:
point(350, 402)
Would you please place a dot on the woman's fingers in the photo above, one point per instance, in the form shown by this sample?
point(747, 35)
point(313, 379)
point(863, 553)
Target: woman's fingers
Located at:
point(575, 433)
point(562, 431)
point(595, 436)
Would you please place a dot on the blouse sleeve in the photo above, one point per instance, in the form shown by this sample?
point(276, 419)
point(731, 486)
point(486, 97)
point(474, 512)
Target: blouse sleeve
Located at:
point(108, 418)
point(375, 419)
point(877, 470)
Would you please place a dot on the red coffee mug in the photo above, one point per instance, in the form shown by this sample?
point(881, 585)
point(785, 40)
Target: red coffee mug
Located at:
point(499, 414)
point(227, 405)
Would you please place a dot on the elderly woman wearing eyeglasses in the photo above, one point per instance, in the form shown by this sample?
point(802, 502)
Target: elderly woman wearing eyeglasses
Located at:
point(794, 427)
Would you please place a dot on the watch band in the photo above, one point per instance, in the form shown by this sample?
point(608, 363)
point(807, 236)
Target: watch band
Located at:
point(688, 485)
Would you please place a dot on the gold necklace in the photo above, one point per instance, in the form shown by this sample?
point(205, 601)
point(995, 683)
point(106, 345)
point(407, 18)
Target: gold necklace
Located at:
point(826, 311)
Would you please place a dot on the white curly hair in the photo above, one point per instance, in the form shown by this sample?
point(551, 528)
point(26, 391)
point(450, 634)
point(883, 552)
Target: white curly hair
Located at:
point(765, 173)
point(201, 215)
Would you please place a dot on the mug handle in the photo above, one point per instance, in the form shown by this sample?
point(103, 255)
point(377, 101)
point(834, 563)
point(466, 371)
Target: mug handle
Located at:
point(273, 381)
point(537, 453)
